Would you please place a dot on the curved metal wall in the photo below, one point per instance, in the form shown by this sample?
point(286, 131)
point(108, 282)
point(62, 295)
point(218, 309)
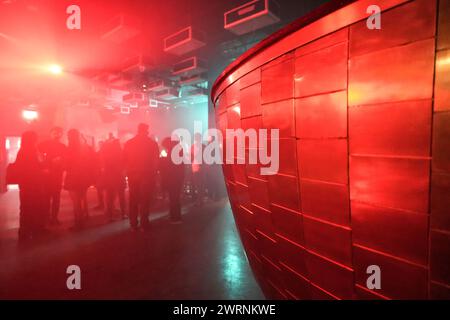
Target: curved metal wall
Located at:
point(364, 179)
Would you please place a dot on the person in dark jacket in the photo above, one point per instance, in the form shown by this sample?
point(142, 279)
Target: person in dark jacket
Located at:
point(172, 176)
point(100, 176)
point(31, 177)
point(141, 155)
point(80, 168)
point(54, 153)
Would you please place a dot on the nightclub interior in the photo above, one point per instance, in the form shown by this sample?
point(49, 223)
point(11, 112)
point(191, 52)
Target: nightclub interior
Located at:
point(225, 150)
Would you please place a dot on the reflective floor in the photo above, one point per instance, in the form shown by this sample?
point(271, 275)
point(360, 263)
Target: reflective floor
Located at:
point(202, 258)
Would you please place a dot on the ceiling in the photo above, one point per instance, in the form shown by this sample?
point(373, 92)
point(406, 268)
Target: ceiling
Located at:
point(33, 34)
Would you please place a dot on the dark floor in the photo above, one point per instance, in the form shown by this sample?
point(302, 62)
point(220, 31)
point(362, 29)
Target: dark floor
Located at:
point(199, 259)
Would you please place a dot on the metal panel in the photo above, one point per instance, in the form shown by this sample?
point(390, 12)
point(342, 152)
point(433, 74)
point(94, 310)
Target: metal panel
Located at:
point(400, 280)
point(251, 123)
point(322, 43)
point(277, 81)
point(322, 116)
point(320, 294)
point(259, 192)
point(330, 276)
point(243, 196)
point(405, 24)
point(391, 182)
point(234, 117)
point(444, 24)
point(246, 218)
point(439, 292)
point(263, 217)
point(441, 142)
point(239, 173)
point(324, 160)
point(440, 201)
point(267, 245)
point(292, 254)
point(442, 84)
point(322, 71)
point(391, 129)
point(439, 259)
point(289, 198)
point(404, 234)
point(287, 223)
point(328, 240)
point(362, 293)
point(250, 78)
point(280, 115)
point(251, 101)
point(287, 156)
point(396, 74)
point(326, 201)
point(297, 286)
point(221, 105)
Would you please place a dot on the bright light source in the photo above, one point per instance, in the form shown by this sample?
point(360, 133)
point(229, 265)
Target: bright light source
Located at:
point(30, 115)
point(55, 69)
point(7, 144)
point(163, 154)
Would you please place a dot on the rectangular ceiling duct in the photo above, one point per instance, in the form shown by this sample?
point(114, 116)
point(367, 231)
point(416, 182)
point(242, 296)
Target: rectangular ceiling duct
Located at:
point(252, 16)
point(189, 67)
point(159, 85)
point(134, 98)
point(125, 110)
point(119, 29)
point(167, 94)
point(193, 80)
point(184, 41)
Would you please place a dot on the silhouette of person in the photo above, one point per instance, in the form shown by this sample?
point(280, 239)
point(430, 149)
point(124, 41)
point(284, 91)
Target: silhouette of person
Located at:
point(141, 155)
point(100, 177)
point(172, 176)
point(54, 153)
point(79, 175)
point(198, 174)
point(31, 177)
point(114, 178)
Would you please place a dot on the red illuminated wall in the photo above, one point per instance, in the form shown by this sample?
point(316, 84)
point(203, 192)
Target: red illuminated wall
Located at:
point(364, 119)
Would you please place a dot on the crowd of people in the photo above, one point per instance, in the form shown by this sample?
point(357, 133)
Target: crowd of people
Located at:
point(43, 170)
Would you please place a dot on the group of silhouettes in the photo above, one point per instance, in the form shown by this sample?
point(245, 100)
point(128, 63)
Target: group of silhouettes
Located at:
point(43, 170)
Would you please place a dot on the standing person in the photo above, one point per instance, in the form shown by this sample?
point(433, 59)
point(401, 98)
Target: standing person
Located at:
point(213, 179)
point(54, 152)
point(172, 176)
point(100, 177)
point(79, 175)
point(114, 177)
point(141, 155)
point(198, 174)
point(31, 176)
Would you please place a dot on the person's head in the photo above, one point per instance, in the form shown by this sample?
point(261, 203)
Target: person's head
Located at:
point(143, 129)
point(56, 133)
point(29, 140)
point(73, 136)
